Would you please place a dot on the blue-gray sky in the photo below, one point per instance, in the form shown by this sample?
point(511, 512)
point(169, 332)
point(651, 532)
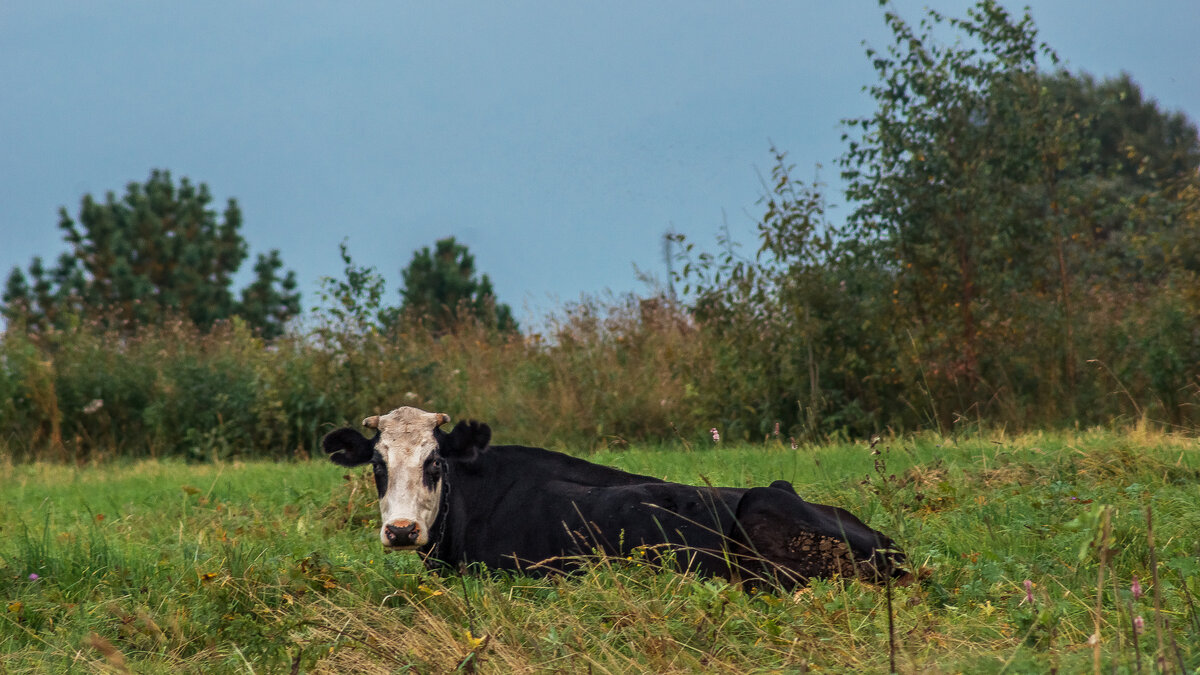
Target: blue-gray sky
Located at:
point(558, 140)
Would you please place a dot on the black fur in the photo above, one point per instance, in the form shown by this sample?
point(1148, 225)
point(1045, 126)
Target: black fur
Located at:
point(381, 474)
point(783, 485)
point(532, 510)
point(347, 447)
point(464, 441)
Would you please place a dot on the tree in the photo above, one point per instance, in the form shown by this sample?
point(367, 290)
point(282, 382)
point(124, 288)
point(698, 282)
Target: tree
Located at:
point(354, 303)
point(1006, 203)
point(1137, 141)
point(440, 287)
point(159, 251)
point(938, 165)
point(269, 301)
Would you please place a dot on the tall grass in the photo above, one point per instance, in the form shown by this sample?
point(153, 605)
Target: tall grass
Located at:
point(603, 375)
point(599, 375)
point(166, 566)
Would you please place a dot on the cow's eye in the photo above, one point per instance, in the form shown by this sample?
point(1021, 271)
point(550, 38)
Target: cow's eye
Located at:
point(433, 472)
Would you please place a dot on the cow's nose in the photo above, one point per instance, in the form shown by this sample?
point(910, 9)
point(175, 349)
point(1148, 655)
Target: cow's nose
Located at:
point(402, 532)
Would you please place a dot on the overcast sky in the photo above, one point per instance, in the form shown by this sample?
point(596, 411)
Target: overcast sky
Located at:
point(558, 140)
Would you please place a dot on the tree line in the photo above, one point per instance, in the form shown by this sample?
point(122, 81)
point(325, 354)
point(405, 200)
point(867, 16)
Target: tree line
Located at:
point(1023, 242)
point(162, 251)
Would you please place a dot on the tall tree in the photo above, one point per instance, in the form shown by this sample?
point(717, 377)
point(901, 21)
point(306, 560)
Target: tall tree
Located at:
point(1000, 197)
point(160, 250)
point(270, 300)
point(440, 286)
point(963, 145)
point(1137, 140)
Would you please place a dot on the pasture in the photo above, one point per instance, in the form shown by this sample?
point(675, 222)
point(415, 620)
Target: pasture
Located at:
point(1030, 544)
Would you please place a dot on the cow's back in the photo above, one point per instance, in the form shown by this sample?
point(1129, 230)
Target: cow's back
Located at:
point(534, 510)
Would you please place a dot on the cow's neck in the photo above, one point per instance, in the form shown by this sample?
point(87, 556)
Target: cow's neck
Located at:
point(432, 551)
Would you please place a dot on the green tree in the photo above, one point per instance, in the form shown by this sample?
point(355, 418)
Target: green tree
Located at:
point(934, 169)
point(270, 300)
point(440, 286)
point(1007, 204)
point(1144, 159)
point(354, 304)
point(158, 251)
point(1137, 140)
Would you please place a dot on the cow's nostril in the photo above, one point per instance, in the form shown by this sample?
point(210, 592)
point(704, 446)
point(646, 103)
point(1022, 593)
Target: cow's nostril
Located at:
point(402, 533)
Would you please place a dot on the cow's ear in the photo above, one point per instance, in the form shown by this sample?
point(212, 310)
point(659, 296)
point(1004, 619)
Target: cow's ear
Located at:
point(347, 447)
point(466, 439)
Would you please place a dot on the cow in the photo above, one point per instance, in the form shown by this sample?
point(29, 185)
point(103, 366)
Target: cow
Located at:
point(461, 501)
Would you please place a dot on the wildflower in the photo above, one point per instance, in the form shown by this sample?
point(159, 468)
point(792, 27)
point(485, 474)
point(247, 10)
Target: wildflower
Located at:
point(715, 434)
point(476, 642)
point(1028, 592)
point(33, 576)
point(1136, 588)
point(95, 405)
point(1138, 625)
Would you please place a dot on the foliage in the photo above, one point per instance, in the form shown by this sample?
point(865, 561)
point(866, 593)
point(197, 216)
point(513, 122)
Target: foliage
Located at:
point(603, 375)
point(158, 566)
point(269, 301)
point(1004, 204)
point(1136, 140)
point(159, 252)
point(355, 302)
point(777, 323)
point(1011, 232)
point(440, 287)
point(956, 179)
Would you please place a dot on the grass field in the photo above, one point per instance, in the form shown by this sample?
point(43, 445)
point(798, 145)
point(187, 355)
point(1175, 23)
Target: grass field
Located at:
point(276, 567)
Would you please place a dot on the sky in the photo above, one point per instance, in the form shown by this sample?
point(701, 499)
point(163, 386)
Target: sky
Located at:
point(557, 140)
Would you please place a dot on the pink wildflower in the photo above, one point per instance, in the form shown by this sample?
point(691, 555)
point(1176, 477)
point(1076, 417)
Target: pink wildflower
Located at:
point(1028, 592)
point(34, 577)
point(1136, 588)
point(1138, 625)
point(715, 434)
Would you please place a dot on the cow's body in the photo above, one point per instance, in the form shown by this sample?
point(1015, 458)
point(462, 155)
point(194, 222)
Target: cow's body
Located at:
point(533, 510)
point(514, 507)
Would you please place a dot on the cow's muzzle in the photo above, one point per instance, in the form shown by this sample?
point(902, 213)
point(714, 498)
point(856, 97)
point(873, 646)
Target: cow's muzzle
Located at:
point(402, 533)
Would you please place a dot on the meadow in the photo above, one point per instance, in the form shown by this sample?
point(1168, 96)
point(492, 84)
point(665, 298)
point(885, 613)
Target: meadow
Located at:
point(1030, 545)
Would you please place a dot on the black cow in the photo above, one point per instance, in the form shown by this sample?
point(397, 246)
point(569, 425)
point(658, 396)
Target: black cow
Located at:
point(459, 500)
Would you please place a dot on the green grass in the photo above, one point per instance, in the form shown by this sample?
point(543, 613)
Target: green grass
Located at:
point(262, 567)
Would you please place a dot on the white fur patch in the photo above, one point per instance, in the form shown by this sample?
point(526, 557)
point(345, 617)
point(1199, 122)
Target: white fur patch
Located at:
point(406, 441)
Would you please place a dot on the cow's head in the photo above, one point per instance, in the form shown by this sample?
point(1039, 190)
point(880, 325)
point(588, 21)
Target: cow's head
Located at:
point(408, 454)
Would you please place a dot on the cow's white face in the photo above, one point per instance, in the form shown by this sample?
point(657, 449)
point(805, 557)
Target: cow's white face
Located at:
point(408, 474)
